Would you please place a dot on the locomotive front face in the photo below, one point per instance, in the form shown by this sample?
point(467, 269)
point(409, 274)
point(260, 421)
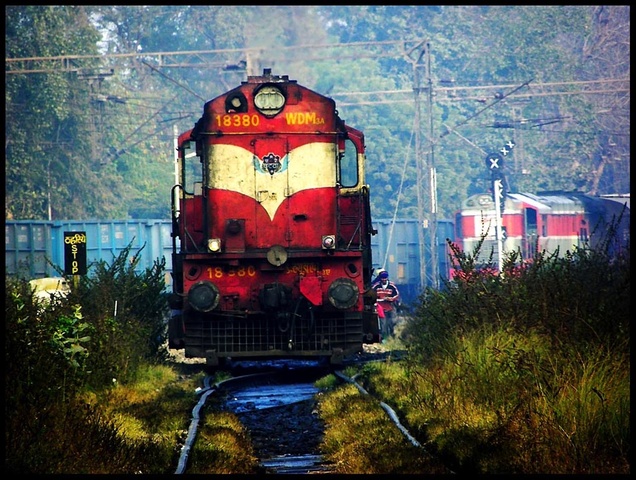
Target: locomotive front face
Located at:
point(273, 238)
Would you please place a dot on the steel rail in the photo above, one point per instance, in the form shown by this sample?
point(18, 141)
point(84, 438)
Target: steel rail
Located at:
point(194, 424)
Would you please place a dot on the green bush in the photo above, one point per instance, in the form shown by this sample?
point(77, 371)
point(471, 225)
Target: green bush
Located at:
point(56, 352)
point(581, 297)
point(129, 312)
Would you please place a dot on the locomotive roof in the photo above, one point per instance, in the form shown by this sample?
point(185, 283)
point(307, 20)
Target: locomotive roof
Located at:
point(623, 199)
point(555, 202)
point(267, 77)
point(315, 111)
point(544, 202)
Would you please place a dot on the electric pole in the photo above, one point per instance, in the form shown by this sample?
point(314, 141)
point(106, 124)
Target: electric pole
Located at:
point(425, 167)
point(433, 176)
point(419, 167)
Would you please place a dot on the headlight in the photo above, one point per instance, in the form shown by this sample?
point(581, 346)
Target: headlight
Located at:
point(343, 293)
point(203, 296)
point(269, 100)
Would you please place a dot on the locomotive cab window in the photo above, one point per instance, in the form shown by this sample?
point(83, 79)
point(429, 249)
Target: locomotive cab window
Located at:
point(348, 165)
point(192, 168)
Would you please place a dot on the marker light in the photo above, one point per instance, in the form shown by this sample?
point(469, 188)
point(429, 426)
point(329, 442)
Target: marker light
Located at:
point(214, 244)
point(343, 293)
point(203, 296)
point(328, 242)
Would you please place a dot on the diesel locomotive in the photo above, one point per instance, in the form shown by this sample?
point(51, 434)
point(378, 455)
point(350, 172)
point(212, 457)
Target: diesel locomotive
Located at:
point(271, 229)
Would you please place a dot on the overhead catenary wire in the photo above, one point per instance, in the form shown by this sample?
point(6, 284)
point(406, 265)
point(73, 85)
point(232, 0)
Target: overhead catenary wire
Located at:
point(480, 111)
point(397, 203)
point(121, 151)
point(511, 95)
point(173, 81)
point(69, 62)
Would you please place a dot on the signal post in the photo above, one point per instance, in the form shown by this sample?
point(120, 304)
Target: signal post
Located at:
point(495, 164)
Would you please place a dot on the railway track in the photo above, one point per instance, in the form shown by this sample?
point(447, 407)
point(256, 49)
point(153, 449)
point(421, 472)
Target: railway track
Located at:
point(277, 405)
point(283, 422)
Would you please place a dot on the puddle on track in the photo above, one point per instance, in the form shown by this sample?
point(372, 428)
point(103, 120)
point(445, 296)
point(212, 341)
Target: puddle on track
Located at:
point(296, 464)
point(270, 396)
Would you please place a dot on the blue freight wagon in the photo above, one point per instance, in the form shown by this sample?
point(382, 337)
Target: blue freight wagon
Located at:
point(33, 247)
point(396, 249)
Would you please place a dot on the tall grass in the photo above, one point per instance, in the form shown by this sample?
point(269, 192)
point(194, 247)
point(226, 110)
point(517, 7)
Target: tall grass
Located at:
point(360, 438)
point(223, 446)
point(526, 372)
point(502, 402)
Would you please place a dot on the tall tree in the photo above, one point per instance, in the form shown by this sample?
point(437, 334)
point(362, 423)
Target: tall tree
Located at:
point(606, 55)
point(49, 162)
point(98, 134)
point(552, 119)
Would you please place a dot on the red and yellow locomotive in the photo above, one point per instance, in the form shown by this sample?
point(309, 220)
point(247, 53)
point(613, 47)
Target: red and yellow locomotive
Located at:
point(272, 229)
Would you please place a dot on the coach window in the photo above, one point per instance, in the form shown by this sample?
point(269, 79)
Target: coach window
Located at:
point(348, 165)
point(583, 231)
point(544, 225)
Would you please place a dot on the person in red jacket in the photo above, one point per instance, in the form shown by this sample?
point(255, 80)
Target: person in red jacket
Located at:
point(388, 296)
